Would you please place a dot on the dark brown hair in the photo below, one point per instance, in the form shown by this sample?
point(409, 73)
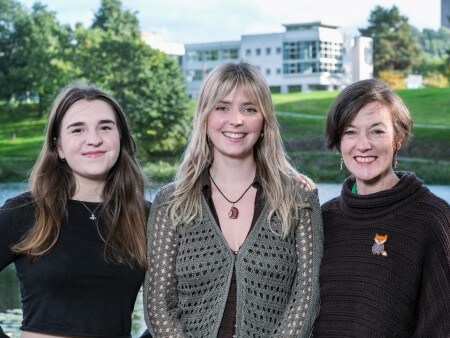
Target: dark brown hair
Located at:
point(353, 98)
point(52, 184)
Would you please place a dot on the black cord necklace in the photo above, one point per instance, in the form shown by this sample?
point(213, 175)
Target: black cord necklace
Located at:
point(234, 212)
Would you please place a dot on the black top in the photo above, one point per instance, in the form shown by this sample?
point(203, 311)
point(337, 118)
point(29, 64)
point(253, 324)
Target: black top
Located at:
point(399, 288)
point(71, 290)
point(228, 323)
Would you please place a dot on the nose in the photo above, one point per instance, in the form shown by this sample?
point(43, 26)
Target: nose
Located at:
point(363, 144)
point(94, 138)
point(236, 118)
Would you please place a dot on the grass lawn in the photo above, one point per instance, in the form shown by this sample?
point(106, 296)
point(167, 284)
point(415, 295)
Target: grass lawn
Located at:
point(427, 105)
point(428, 154)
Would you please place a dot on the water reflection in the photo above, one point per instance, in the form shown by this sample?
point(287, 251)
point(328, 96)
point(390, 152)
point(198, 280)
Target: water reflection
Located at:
point(10, 312)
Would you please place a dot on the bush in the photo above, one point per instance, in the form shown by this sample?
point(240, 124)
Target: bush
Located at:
point(394, 78)
point(436, 80)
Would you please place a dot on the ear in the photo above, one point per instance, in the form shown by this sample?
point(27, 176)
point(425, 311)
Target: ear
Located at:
point(397, 145)
point(59, 149)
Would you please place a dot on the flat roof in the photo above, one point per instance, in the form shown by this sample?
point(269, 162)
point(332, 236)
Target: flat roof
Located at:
point(307, 25)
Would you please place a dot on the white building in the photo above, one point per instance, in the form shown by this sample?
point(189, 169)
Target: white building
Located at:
point(445, 13)
point(309, 56)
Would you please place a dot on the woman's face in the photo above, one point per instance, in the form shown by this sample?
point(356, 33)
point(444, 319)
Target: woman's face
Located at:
point(89, 140)
point(235, 125)
point(367, 147)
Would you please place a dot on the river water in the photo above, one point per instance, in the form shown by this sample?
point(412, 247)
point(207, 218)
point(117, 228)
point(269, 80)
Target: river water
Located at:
point(10, 313)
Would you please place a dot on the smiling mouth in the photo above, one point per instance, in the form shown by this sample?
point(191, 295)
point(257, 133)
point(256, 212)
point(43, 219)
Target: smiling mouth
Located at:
point(94, 154)
point(235, 136)
point(365, 159)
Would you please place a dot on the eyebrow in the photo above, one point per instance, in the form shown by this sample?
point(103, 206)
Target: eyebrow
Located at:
point(78, 124)
point(371, 126)
point(243, 104)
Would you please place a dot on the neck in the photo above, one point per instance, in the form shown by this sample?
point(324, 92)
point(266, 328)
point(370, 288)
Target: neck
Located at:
point(233, 173)
point(89, 191)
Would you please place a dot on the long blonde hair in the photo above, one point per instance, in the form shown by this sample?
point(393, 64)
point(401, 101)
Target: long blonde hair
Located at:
point(52, 184)
point(279, 179)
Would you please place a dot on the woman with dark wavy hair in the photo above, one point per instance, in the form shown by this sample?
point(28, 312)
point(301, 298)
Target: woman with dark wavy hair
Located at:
point(77, 237)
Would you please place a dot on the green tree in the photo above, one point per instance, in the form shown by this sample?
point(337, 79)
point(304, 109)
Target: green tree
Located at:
point(45, 45)
point(435, 45)
point(395, 48)
point(32, 59)
point(111, 17)
point(147, 83)
point(12, 15)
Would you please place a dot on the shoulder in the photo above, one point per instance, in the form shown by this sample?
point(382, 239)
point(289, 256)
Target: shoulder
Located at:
point(17, 215)
point(305, 188)
point(164, 193)
point(331, 204)
point(434, 210)
point(303, 182)
point(24, 200)
point(306, 193)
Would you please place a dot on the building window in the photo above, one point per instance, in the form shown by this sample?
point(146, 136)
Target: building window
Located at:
point(234, 54)
point(268, 71)
point(278, 71)
point(248, 52)
point(258, 51)
point(268, 50)
point(308, 57)
point(278, 50)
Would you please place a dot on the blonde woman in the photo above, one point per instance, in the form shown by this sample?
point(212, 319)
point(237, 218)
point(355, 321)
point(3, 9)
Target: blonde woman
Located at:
point(235, 242)
point(77, 238)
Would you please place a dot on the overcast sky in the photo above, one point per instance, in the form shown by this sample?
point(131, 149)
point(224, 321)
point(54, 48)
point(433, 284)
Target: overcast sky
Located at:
point(192, 21)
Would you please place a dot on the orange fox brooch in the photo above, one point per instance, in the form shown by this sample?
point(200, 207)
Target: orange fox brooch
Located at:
point(378, 247)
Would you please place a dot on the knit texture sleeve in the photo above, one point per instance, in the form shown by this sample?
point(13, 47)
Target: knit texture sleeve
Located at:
point(433, 309)
point(160, 286)
point(303, 305)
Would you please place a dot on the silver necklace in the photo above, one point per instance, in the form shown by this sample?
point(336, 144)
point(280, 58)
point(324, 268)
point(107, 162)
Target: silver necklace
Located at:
point(93, 218)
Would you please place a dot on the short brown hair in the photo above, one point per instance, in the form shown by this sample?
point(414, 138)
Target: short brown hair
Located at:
point(352, 99)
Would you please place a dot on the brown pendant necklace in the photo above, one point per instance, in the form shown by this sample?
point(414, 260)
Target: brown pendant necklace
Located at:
point(234, 212)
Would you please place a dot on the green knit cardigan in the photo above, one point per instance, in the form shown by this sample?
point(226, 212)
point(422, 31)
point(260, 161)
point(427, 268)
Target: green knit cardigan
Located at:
point(190, 269)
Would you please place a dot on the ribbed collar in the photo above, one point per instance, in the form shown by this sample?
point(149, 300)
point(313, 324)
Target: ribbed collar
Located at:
point(382, 202)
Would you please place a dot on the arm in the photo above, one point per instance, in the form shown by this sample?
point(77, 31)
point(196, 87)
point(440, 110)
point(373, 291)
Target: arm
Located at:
point(303, 306)
point(433, 315)
point(14, 218)
point(160, 286)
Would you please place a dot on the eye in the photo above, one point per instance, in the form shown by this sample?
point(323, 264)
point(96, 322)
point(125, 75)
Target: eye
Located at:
point(105, 127)
point(378, 131)
point(250, 110)
point(76, 130)
point(350, 132)
point(221, 108)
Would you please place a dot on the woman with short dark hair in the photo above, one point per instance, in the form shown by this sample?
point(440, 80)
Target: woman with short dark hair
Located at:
point(386, 265)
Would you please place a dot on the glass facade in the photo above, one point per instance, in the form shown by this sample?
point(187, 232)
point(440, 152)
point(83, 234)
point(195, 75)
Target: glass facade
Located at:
point(213, 55)
point(306, 57)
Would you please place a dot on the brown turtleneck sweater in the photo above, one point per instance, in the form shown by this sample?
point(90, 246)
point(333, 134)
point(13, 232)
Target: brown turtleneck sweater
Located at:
point(405, 293)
